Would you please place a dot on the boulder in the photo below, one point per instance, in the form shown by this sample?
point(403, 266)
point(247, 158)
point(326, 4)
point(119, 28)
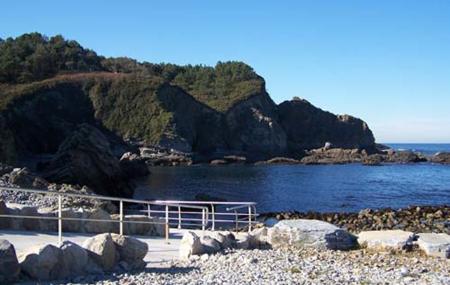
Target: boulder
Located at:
point(404, 157)
point(226, 240)
point(385, 240)
point(441, 157)
point(4, 222)
point(102, 250)
point(210, 245)
point(41, 262)
point(282, 160)
point(243, 241)
point(24, 178)
point(150, 227)
point(435, 244)
point(310, 233)
point(260, 238)
point(131, 250)
point(9, 265)
point(98, 227)
point(133, 165)
point(73, 226)
point(23, 223)
point(218, 162)
point(74, 260)
point(190, 245)
point(47, 225)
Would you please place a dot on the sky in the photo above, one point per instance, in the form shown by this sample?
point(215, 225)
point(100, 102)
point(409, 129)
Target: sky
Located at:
point(387, 62)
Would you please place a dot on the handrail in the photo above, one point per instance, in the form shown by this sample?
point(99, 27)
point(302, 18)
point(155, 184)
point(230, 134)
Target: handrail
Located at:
point(207, 210)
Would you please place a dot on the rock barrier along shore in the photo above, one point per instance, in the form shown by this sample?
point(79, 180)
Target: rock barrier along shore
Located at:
point(68, 261)
point(414, 218)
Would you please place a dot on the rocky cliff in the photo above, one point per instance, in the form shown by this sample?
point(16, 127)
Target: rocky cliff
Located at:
point(308, 127)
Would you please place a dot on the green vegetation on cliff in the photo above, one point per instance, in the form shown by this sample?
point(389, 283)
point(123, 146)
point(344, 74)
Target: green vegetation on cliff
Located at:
point(34, 57)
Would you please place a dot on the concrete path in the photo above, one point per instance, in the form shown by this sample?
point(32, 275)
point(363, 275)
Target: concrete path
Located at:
point(159, 254)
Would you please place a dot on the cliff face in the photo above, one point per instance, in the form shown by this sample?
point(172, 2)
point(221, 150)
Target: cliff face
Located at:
point(254, 129)
point(308, 127)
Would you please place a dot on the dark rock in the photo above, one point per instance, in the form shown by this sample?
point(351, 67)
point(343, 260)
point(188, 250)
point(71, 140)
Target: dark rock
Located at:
point(86, 158)
point(9, 265)
point(206, 198)
point(441, 157)
point(333, 156)
point(5, 169)
point(235, 159)
point(253, 128)
point(281, 160)
point(218, 162)
point(133, 165)
point(404, 157)
point(308, 127)
point(24, 178)
point(374, 160)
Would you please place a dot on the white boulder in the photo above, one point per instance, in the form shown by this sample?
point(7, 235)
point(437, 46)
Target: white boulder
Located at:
point(102, 250)
point(385, 240)
point(435, 244)
point(131, 250)
point(190, 245)
point(310, 233)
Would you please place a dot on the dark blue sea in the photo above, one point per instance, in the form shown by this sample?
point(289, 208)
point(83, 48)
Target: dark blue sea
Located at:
point(325, 188)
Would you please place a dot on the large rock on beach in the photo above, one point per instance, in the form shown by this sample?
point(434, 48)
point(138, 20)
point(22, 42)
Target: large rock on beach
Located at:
point(190, 245)
point(102, 250)
point(310, 233)
point(131, 250)
point(74, 260)
point(435, 244)
point(210, 245)
point(41, 262)
point(9, 265)
point(385, 240)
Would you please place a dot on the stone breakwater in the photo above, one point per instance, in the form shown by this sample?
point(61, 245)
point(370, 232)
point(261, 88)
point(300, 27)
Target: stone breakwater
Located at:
point(413, 219)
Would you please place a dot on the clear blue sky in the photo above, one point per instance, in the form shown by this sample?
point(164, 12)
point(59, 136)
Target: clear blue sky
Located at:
point(387, 62)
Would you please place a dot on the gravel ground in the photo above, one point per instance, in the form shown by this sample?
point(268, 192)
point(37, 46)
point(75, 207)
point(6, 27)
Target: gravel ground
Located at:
point(293, 267)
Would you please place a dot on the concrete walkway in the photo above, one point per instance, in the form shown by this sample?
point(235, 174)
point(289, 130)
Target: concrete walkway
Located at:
point(159, 254)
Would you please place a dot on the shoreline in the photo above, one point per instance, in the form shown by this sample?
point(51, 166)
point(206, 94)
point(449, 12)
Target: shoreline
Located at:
point(414, 218)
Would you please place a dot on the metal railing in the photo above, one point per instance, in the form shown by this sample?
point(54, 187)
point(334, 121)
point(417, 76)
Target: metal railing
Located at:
point(168, 213)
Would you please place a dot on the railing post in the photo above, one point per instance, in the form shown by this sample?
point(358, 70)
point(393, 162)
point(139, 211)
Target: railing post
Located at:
point(237, 222)
point(121, 217)
point(59, 219)
point(213, 219)
point(249, 218)
point(149, 211)
point(167, 223)
point(179, 217)
point(203, 219)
